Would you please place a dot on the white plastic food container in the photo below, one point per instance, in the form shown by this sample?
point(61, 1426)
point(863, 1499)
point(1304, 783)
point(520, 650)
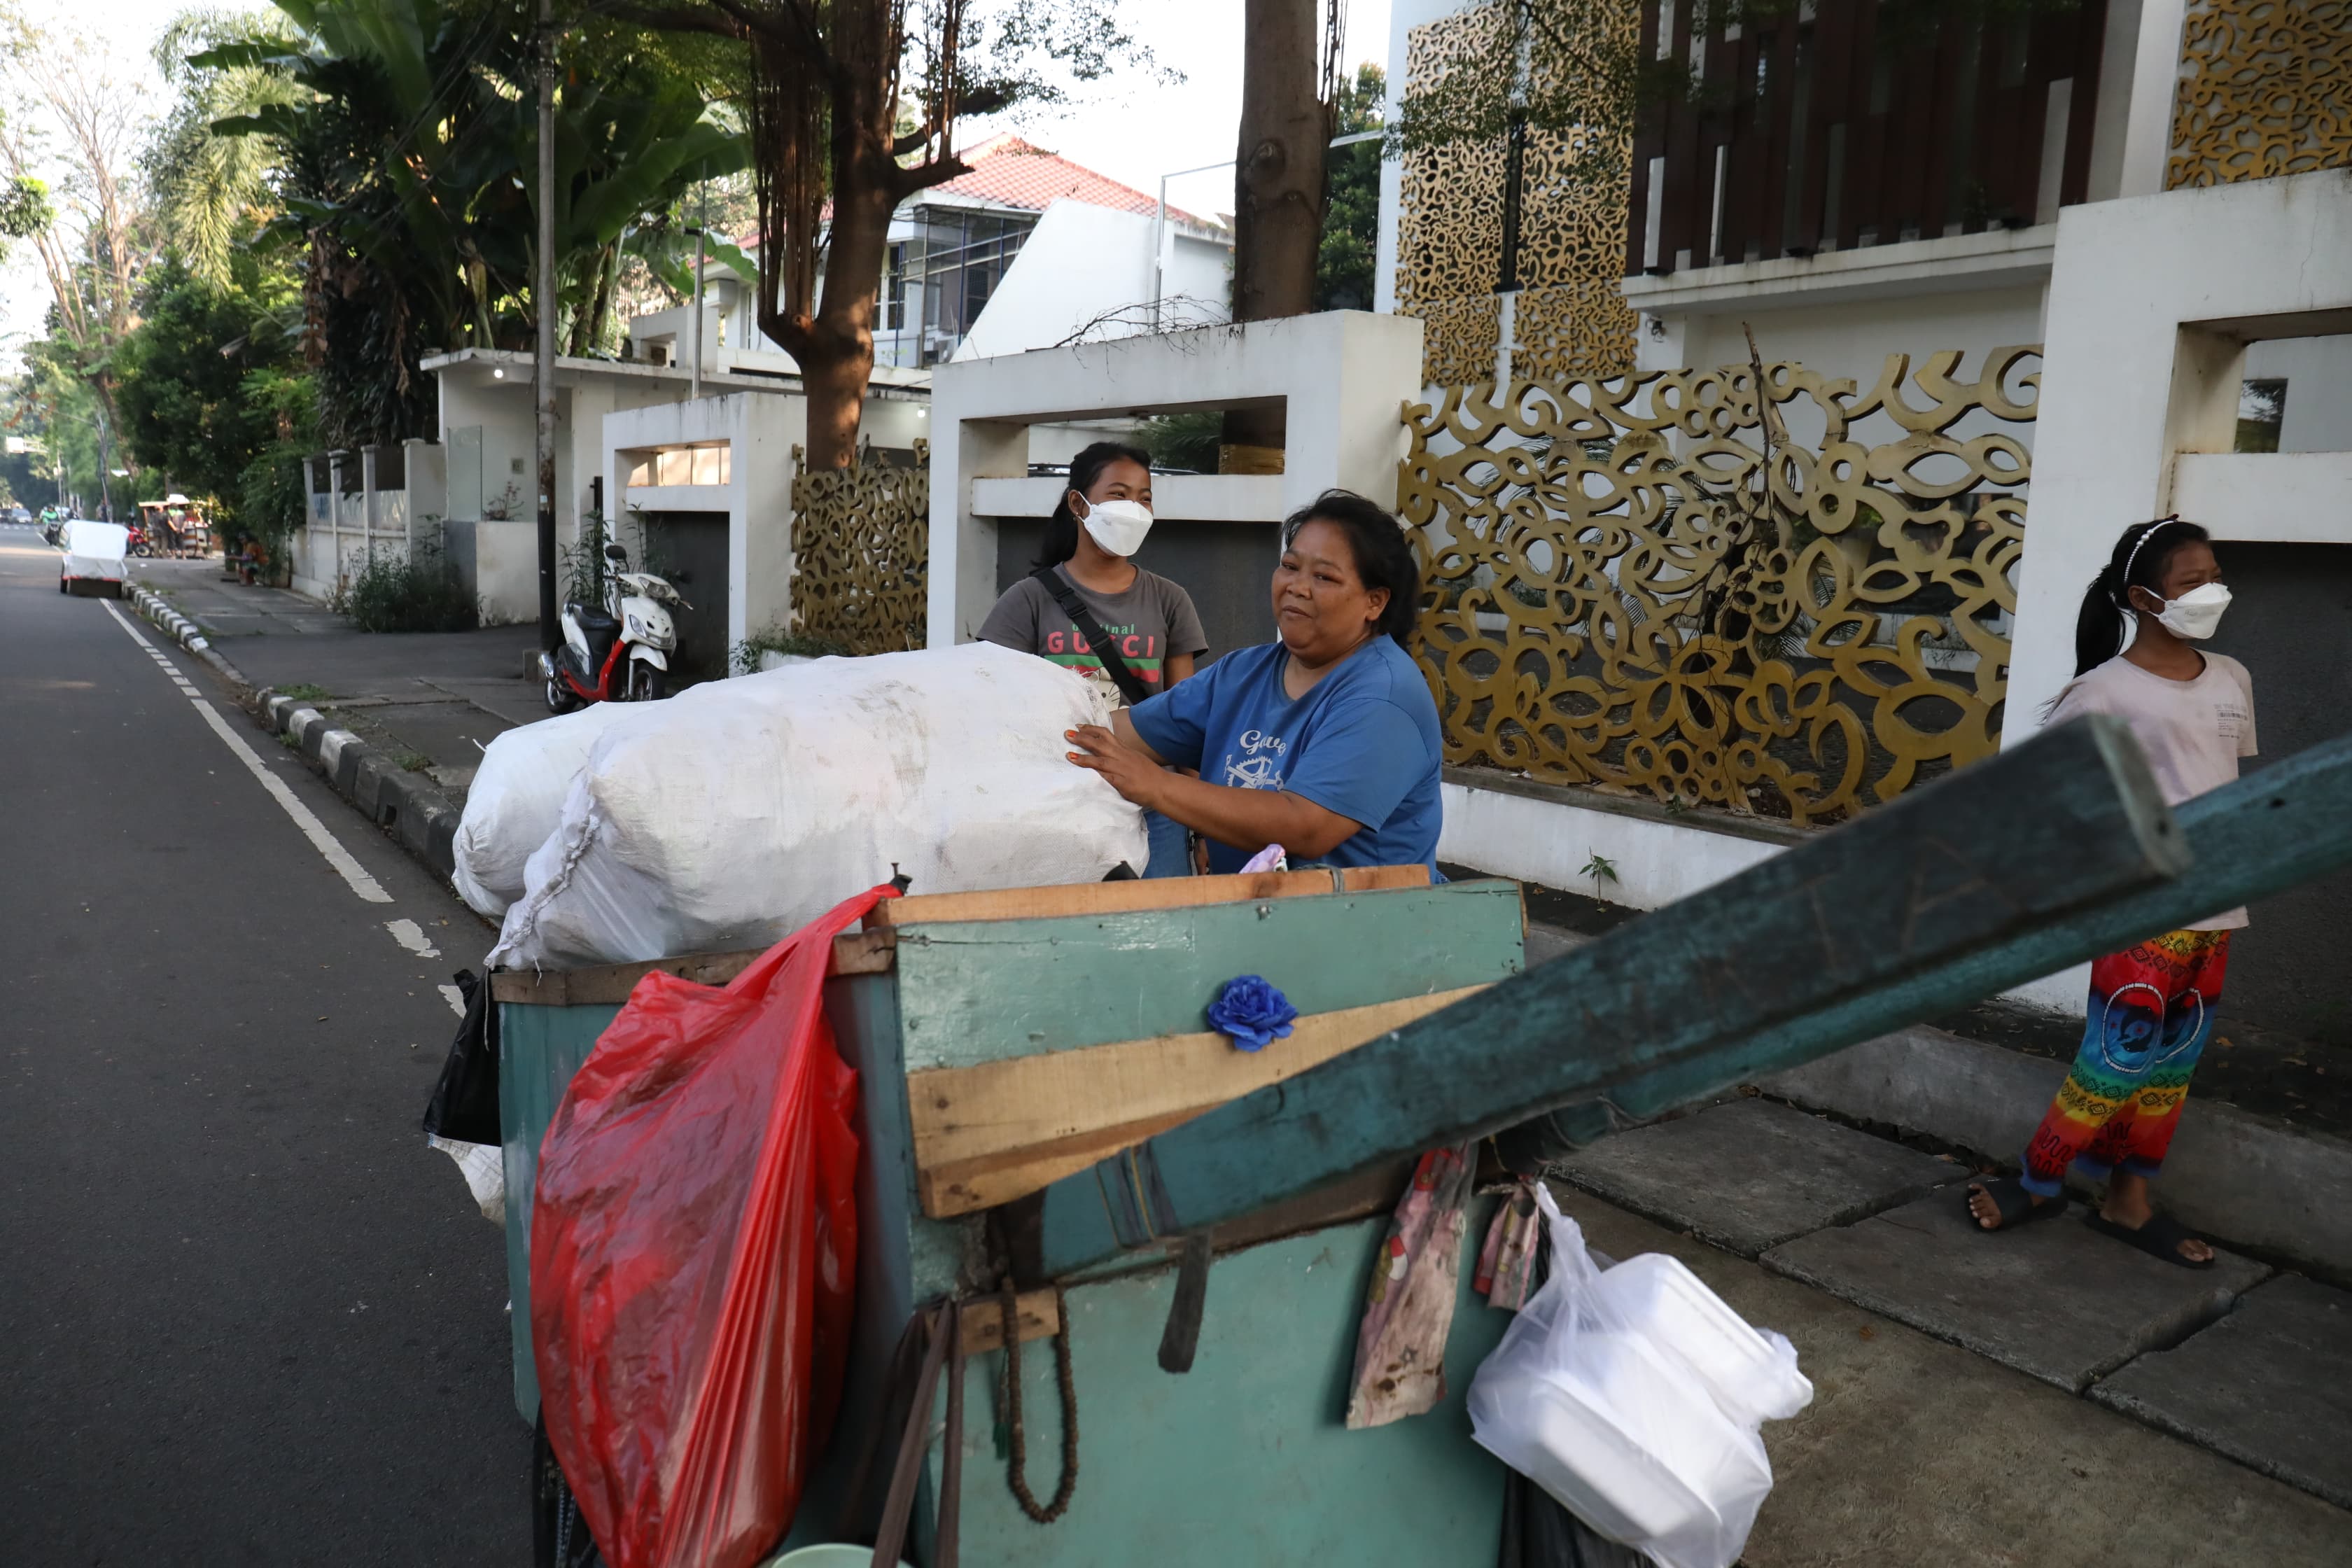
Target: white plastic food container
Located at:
point(1753, 1373)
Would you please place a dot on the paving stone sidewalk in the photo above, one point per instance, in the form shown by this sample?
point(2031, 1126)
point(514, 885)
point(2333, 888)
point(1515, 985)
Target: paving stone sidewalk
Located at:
point(431, 701)
point(1918, 1454)
point(2245, 1367)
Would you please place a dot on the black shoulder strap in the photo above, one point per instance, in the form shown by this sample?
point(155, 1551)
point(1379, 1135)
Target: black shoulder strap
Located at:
point(1129, 684)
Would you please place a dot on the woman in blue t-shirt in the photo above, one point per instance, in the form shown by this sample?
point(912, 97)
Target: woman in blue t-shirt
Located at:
point(1324, 742)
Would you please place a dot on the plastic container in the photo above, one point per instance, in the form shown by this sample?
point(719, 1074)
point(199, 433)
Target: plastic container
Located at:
point(1649, 1487)
point(1753, 1373)
point(826, 1556)
point(1633, 1397)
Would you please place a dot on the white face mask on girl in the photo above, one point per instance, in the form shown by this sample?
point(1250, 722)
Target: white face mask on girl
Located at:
point(1119, 526)
point(2195, 614)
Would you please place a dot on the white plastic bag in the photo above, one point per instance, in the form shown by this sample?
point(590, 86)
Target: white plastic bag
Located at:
point(1633, 1397)
point(755, 804)
point(517, 798)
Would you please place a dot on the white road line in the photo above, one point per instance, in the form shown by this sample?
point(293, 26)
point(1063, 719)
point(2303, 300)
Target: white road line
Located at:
point(456, 998)
point(410, 935)
point(349, 869)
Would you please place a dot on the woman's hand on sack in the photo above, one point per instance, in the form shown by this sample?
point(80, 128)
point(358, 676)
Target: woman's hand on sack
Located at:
point(1137, 777)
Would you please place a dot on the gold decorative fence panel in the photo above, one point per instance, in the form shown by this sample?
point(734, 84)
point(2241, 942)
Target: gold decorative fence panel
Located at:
point(861, 549)
point(1621, 591)
point(1571, 318)
point(2265, 89)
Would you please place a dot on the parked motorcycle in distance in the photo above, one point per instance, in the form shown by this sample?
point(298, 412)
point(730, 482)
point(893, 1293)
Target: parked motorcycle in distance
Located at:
point(618, 652)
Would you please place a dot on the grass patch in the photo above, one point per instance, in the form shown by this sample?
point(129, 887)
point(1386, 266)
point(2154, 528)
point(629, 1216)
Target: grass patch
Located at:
point(415, 762)
point(303, 692)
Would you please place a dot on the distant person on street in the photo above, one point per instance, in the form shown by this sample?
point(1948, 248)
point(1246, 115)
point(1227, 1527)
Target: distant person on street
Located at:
point(1086, 606)
point(2152, 1006)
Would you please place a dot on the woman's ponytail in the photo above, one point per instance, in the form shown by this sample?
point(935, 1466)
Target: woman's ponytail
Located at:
point(2138, 561)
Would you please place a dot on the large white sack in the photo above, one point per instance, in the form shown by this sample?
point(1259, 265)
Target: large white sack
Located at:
point(93, 548)
point(517, 798)
point(760, 803)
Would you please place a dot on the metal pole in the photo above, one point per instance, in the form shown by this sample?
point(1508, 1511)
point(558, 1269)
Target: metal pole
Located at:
point(105, 481)
point(1159, 233)
point(543, 301)
point(694, 376)
point(1160, 253)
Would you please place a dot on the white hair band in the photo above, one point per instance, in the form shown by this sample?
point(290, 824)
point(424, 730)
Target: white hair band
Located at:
point(2148, 534)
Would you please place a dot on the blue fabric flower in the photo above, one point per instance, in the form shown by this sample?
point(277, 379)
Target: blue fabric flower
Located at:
point(1251, 1011)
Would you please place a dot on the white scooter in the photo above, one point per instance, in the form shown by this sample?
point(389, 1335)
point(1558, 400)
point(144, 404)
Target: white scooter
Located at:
point(619, 653)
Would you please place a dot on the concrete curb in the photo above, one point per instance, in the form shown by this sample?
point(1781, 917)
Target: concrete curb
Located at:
point(189, 636)
point(409, 807)
point(2279, 1193)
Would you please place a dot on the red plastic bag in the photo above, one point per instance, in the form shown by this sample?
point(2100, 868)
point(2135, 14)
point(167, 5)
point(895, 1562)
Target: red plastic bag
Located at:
point(694, 1259)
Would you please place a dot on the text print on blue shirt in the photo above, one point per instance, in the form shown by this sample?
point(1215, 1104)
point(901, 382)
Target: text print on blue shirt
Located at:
point(1260, 763)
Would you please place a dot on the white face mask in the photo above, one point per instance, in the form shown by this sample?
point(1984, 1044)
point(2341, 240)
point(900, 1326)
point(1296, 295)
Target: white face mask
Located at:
point(1119, 526)
point(2195, 614)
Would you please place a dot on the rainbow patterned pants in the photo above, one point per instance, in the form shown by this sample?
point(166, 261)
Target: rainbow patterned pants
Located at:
point(2151, 1012)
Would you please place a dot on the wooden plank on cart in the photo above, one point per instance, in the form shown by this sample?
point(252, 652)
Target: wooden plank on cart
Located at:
point(994, 1131)
point(1129, 897)
point(980, 991)
point(1807, 952)
point(853, 952)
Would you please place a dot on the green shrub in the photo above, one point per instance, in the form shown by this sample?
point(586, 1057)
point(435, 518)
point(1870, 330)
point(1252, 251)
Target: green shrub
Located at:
point(419, 594)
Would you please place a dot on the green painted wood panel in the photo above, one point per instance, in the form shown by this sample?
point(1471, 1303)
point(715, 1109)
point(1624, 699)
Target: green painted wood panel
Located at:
point(1793, 959)
point(538, 1050)
point(983, 991)
point(1243, 1462)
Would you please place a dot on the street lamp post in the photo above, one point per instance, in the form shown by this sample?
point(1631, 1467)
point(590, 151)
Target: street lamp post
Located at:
point(543, 300)
point(1160, 217)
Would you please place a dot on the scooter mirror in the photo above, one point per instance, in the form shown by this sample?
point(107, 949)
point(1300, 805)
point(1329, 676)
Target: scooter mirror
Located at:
point(614, 552)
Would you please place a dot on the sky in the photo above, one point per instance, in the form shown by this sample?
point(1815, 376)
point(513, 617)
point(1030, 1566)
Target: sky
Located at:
point(1130, 126)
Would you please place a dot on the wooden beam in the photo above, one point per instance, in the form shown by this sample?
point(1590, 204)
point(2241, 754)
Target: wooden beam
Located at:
point(855, 952)
point(987, 1134)
point(1126, 898)
point(1036, 1316)
point(2005, 849)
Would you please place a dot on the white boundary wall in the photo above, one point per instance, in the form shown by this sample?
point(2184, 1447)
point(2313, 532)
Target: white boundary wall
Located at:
point(1343, 375)
point(2152, 303)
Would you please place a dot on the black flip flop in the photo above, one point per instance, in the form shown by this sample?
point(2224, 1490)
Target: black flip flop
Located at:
point(2161, 1237)
point(2016, 1205)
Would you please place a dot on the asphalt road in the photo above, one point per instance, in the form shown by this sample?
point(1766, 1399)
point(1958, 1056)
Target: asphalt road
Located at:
point(247, 1316)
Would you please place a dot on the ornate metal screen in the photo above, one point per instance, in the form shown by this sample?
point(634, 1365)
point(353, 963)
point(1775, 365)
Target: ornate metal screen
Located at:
point(861, 548)
point(1571, 320)
point(1620, 591)
point(2265, 89)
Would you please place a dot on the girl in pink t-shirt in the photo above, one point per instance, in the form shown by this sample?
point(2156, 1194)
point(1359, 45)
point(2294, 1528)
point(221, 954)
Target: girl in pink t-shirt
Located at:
point(2152, 1006)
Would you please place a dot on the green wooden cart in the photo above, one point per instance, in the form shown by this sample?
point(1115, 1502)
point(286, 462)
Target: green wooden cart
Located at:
point(1006, 1040)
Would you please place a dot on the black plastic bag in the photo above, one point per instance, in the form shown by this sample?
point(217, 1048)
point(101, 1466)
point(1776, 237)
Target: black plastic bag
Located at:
point(464, 1104)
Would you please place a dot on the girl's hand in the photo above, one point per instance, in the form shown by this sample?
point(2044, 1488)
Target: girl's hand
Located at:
point(1136, 776)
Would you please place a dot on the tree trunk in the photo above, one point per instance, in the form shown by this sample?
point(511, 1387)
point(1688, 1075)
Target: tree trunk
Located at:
point(835, 349)
point(1277, 187)
point(1278, 166)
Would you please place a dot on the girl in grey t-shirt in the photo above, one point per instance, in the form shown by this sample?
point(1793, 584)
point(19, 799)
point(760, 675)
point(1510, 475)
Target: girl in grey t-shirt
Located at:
point(1100, 522)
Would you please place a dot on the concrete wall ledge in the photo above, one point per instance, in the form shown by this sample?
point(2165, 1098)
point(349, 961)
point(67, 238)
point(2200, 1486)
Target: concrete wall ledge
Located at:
point(2249, 1182)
